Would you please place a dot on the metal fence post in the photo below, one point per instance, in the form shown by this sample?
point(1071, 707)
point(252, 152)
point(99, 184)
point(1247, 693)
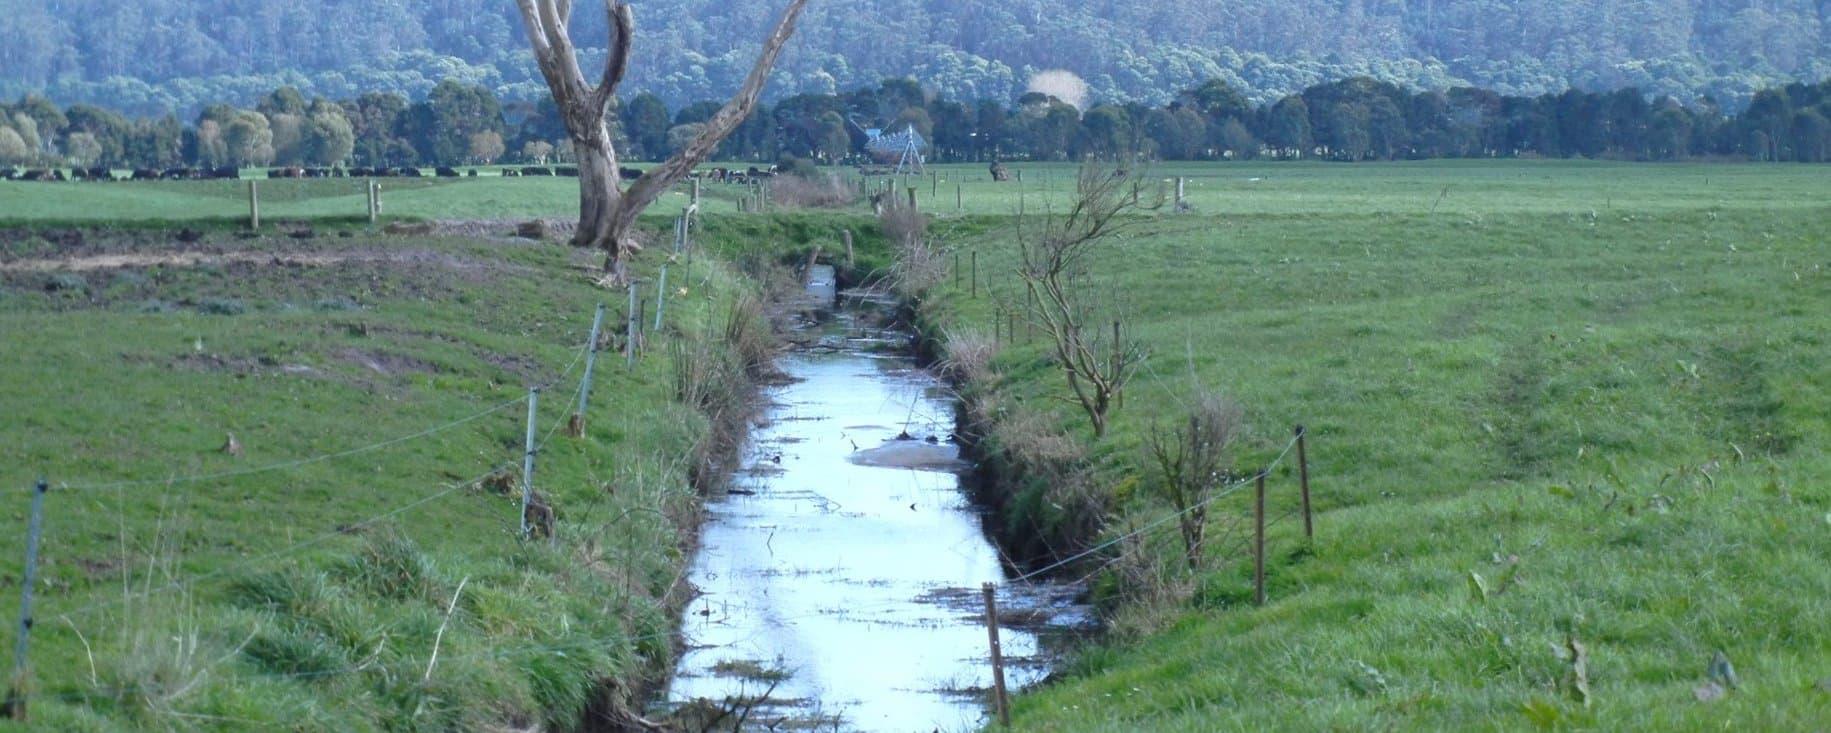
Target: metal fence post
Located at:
point(254, 205)
point(629, 336)
point(16, 695)
point(527, 463)
point(661, 297)
point(577, 425)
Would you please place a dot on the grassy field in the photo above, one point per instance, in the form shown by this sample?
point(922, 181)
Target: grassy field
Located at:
point(1614, 373)
point(1604, 384)
point(376, 386)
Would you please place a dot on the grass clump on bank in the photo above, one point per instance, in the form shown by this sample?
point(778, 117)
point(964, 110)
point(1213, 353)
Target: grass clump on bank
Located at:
point(1533, 421)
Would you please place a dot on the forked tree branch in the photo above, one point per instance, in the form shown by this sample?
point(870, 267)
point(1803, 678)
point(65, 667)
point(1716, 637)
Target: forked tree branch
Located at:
point(658, 179)
point(622, 36)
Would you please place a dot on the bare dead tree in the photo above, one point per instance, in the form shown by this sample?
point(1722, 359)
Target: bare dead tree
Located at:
point(1054, 254)
point(1191, 456)
point(607, 211)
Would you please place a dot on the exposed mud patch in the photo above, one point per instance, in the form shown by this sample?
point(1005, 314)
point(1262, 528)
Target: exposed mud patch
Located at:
point(382, 362)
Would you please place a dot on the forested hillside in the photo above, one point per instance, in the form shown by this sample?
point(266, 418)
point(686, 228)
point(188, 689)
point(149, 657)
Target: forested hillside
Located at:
point(153, 56)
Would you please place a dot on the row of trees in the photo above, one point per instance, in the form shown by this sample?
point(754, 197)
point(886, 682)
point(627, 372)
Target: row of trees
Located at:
point(456, 124)
point(1353, 119)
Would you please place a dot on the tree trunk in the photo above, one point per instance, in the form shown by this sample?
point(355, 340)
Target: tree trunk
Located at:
point(599, 200)
point(607, 211)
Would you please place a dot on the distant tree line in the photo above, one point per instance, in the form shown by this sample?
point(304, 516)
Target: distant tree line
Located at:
point(1350, 120)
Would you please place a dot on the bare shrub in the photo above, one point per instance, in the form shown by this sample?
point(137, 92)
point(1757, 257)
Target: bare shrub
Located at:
point(1055, 250)
point(1191, 455)
point(825, 192)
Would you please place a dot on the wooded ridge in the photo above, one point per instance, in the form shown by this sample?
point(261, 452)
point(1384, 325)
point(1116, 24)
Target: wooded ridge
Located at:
point(150, 57)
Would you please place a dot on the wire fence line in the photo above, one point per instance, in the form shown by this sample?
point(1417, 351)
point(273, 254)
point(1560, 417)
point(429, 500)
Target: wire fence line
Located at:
point(302, 462)
point(242, 566)
point(1224, 492)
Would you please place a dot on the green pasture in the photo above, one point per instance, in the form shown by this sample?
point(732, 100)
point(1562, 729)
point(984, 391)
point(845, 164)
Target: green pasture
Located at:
point(374, 384)
point(1615, 373)
point(1604, 383)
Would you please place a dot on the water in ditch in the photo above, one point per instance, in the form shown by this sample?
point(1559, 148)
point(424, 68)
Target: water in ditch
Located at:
point(839, 582)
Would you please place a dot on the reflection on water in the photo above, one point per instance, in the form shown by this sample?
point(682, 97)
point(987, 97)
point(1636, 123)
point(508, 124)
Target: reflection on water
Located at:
point(854, 567)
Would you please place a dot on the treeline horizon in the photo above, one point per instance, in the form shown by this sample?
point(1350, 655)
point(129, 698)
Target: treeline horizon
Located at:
point(1354, 119)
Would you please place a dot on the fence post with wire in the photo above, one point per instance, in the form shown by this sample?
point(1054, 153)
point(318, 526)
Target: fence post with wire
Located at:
point(19, 689)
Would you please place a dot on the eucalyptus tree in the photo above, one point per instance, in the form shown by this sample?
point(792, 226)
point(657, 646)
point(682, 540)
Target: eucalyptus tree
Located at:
point(607, 210)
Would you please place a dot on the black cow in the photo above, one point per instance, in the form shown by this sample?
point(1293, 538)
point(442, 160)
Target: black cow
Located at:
point(177, 174)
point(567, 170)
point(362, 172)
point(628, 174)
point(536, 171)
point(507, 172)
point(445, 171)
point(225, 171)
point(408, 172)
point(145, 174)
point(472, 173)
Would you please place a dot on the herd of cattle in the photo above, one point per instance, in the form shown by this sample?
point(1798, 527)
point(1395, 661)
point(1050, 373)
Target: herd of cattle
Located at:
point(721, 175)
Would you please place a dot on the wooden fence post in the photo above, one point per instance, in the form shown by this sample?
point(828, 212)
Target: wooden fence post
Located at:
point(1000, 699)
point(1258, 542)
point(1303, 478)
point(254, 205)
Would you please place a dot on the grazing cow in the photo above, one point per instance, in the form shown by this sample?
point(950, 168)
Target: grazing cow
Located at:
point(535, 170)
point(337, 172)
point(999, 173)
point(36, 174)
point(145, 174)
point(628, 174)
point(361, 172)
point(9, 174)
point(445, 171)
point(567, 170)
point(408, 172)
point(224, 172)
point(506, 172)
point(472, 173)
point(177, 174)
point(317, 173)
